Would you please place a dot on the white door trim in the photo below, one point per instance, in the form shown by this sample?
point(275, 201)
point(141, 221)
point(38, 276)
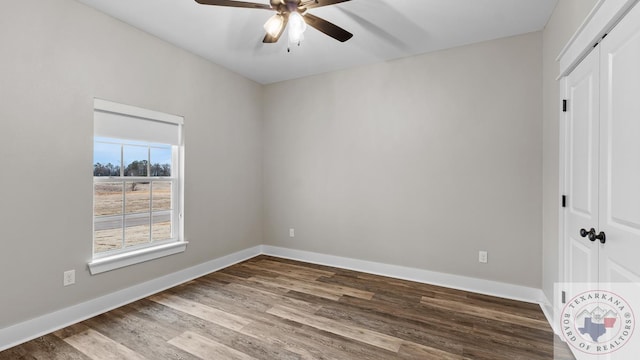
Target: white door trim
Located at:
point(562, 276)
point(604, 16)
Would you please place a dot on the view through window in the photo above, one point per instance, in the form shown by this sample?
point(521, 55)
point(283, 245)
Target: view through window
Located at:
point(134, 194)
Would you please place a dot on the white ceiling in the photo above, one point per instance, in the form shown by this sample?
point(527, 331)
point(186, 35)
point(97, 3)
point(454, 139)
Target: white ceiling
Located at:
point(383, 30)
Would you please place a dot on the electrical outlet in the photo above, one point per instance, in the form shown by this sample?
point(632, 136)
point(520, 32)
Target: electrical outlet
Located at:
point(69, 278)
point(483, 257)
point(292, 232)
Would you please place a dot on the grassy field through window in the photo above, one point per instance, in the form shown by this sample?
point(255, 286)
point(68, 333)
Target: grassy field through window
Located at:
point(130, 206)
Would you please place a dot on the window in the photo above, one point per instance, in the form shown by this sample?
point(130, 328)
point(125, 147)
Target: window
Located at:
point(137, 206)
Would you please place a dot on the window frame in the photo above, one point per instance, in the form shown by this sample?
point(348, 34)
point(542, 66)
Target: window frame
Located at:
point(174, 212)
point(114, 259)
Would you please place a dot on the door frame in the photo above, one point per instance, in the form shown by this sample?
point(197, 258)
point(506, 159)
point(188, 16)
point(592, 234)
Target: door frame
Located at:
point(604, 17)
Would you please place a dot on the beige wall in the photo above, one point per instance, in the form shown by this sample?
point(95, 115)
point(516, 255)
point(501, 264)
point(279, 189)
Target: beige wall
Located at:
point(55, 56)
point(566, 18)
point(419, 162)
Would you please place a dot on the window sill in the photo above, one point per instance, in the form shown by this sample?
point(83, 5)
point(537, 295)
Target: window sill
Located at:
point(109, 263)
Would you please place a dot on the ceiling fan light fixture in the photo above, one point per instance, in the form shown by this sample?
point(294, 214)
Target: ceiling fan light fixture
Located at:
point(274, 25)
point(297, 26)
point(292, 14)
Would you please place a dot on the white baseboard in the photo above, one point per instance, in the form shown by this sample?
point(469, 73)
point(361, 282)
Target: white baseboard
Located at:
point(31, 329)
point(548, 311)
point(481, 286)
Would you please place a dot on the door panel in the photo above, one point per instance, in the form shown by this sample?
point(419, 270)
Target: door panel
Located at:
point(582, 257)
point(620, 151)
point(622, 132)
point(581, 171)
point(619, 274)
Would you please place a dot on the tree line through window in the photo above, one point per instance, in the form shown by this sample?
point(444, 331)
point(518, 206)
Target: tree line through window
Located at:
point(136, 168)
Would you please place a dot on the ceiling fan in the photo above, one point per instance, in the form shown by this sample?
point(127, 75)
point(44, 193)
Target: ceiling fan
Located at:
point(292, 13)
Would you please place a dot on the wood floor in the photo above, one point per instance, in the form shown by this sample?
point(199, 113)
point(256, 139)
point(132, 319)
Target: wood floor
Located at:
point(270, 308)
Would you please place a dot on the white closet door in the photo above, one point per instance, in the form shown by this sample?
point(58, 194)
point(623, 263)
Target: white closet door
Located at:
point(620, 152)
point(581, 172)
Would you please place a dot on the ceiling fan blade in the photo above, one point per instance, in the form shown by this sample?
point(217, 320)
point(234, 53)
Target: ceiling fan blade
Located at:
point(310, 4)
point(230, 3)
point(268, 39)
point(328, 28)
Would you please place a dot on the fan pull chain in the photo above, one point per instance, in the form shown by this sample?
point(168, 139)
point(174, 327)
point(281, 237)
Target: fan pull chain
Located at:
point(289, 48)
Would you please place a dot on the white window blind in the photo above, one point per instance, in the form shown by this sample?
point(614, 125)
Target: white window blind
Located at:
point(113, 120)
